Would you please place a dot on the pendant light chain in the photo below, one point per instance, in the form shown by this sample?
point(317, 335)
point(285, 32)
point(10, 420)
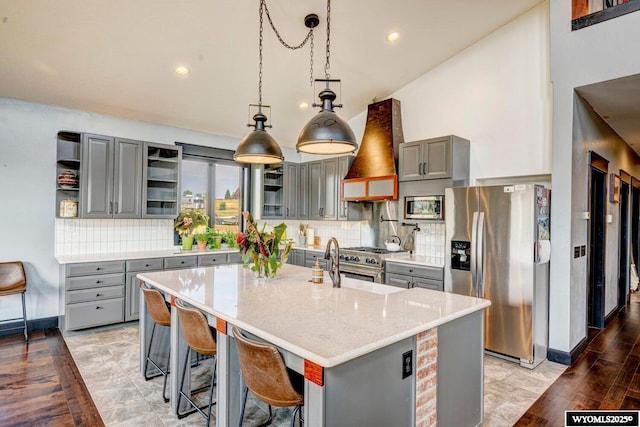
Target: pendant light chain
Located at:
point(326, 65)
point(262, 4)
point(308, 37)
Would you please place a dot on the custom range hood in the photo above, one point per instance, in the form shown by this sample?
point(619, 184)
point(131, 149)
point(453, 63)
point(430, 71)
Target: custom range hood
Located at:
point(372, 175)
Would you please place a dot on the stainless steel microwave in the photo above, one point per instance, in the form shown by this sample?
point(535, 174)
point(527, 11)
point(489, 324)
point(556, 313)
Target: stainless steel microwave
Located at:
point(424, 207)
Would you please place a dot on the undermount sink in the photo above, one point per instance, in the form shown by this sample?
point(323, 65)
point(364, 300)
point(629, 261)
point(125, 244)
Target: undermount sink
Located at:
point(374, 288)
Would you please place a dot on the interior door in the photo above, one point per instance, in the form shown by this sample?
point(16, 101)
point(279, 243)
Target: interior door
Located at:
point(508, 276)
point(623, 235)
point(597, 238)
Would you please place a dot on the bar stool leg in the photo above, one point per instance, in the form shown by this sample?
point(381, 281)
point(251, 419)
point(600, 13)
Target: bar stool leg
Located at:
point(24, 317)
point(146, 365)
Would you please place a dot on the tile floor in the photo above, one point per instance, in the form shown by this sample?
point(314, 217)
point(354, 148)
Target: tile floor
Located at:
point(108, 361)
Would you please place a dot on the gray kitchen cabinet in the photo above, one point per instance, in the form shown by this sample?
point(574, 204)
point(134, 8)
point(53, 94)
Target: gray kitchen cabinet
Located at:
point(323, 189)
point(94, 294)
point(409, 276)
point(303, 191)
point(434, 158)
point(132, 291)
point(310, 258)
point(161, 180)
point(68, 161)
point(174, 263)
point(346, 211)
point(297, 257)
point(291, 190)
point(215, 258)
point(111, 177)
point(234, 258)
point(273, 191)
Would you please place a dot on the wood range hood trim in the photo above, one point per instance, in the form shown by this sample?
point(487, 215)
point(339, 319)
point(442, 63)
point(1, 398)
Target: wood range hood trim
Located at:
point(373, 176)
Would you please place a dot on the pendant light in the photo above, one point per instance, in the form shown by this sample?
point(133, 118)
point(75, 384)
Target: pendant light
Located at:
point(326, 133)
point(258, 146)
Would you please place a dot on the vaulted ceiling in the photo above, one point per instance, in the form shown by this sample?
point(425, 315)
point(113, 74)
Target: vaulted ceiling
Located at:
point(118, 57)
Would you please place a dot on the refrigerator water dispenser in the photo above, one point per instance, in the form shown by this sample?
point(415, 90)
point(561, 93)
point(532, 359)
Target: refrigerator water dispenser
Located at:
point(460, 255)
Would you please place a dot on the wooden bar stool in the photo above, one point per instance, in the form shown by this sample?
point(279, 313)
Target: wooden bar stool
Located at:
point(14, 281)
point(265, 374)
point(200, 338)
point(159, 312)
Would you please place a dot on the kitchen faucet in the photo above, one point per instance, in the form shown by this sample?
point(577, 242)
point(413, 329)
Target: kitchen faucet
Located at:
point(334, 265)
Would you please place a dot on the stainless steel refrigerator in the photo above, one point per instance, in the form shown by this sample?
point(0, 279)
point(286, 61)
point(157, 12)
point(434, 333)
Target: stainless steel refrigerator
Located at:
point(497, 248)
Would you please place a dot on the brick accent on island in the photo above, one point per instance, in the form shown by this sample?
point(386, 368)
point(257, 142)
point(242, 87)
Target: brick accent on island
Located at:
point(426, 378)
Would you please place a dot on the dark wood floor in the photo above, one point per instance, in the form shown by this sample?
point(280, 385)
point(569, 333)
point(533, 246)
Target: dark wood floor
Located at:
point(605, 376)
point(40, 384)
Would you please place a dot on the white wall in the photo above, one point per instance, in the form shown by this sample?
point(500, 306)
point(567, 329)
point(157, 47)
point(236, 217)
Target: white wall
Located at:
point(496, 93)
point(27, 187)
point(593, 54)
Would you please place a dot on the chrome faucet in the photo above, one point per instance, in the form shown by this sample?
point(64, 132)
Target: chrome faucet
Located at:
point(334, 265)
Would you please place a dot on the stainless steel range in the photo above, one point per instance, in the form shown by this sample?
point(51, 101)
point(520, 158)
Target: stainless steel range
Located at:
point(364, 263)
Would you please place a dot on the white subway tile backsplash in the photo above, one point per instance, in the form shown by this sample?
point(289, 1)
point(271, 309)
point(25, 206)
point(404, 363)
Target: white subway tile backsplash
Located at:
point(76, 236)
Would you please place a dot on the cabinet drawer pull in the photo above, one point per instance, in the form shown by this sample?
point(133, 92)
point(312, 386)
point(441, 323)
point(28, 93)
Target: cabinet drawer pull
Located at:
point(98, 281)
point(181, 262)
point(98, 307)
point(146, 265)
point(410, 270)
point(98, 295)
point(98, 268)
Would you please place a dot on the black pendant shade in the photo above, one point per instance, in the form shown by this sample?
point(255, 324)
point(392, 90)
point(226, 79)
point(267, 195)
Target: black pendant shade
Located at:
point(258, 146)
point(326, 133)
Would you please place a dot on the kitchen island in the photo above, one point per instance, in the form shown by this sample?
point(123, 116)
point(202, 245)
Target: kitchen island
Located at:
point(371, 354)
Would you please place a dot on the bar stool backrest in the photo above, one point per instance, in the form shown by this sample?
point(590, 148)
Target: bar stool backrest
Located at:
point(265, 373)
point(12, 278)
point(156, 305)
point(195, 330)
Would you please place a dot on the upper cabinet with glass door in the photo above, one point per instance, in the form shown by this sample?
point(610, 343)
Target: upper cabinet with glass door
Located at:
point(161, 180)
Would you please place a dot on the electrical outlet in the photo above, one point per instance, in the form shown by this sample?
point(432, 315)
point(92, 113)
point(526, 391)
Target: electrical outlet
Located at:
point(576, 252)
point(407, 364)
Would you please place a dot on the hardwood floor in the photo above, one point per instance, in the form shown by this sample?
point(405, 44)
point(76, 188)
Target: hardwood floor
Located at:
point(40, 384)
point(605, 376)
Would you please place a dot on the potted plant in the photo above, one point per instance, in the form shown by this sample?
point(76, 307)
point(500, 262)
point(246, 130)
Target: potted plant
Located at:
point(214, 238)
point(188, 223)
point(202, 240)
point(229, 237)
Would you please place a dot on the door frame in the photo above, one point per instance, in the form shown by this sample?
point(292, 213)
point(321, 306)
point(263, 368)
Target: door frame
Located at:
point(596, 240)
point(623, 240)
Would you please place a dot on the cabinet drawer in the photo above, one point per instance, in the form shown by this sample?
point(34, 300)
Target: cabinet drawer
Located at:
point(312, 255)
point(180, 262)
point(88, 314)
point(436, 273)
point(145, 264)
point(95, 294)
point(102, 267)
point(212, 259)
point(397, 280)
point(436, 285)
point(95, 281)
point(234, 258)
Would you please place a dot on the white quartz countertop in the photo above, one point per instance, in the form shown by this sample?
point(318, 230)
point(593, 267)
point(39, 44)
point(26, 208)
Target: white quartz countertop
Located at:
point(405, 258)
point(318, 322)
point(127, 255)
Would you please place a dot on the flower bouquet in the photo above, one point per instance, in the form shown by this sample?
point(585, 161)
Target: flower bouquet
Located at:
point(261, 250)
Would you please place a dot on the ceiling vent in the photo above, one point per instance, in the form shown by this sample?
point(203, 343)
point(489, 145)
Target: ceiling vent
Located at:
point(372, 175)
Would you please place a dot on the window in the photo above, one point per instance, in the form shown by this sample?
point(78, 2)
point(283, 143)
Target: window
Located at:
point(217, 187)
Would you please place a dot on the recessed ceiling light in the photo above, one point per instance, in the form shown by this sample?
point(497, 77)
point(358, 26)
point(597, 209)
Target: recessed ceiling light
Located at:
point(182, 70)
point(303, 105)
point(393, 36)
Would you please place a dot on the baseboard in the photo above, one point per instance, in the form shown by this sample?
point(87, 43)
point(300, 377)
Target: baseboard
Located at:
point(32, 325)
point(609, 317)
point(567, 358)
